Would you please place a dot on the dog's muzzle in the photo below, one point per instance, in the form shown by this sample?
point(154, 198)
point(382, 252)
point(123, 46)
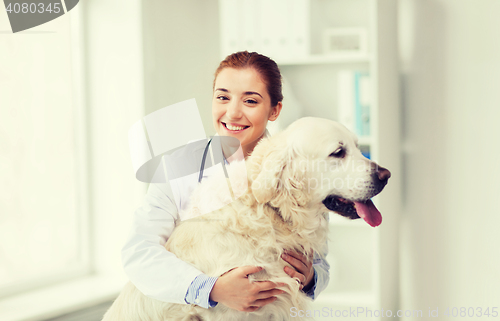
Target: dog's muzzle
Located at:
point(365, 209)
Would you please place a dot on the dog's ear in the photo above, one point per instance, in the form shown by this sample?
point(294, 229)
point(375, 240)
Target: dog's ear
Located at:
point(276, 177)
point(269, 159)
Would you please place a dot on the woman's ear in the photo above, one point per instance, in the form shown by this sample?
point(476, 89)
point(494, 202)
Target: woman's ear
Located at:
point(275, 111)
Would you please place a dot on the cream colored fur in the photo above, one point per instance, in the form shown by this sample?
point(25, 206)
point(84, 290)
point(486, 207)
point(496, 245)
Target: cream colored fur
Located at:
point(281, 209)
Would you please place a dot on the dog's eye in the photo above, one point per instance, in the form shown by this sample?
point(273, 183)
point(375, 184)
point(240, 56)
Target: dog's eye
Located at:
point(339, 153)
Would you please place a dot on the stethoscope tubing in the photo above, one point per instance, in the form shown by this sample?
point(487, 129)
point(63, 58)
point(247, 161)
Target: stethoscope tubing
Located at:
point(202, 167)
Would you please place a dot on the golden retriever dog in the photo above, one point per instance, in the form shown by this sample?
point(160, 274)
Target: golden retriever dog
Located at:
point(294, 179)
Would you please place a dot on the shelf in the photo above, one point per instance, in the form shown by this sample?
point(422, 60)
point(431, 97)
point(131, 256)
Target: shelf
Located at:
point(363, 259)
point(326, 59)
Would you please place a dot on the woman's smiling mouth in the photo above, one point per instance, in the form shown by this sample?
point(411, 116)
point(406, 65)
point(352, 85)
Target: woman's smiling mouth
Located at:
point(234, 127)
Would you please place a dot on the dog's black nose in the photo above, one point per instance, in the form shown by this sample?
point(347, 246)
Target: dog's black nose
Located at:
point(383, 174)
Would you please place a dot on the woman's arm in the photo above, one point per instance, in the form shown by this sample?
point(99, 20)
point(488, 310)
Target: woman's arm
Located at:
point(160, 275)
point(156, 272)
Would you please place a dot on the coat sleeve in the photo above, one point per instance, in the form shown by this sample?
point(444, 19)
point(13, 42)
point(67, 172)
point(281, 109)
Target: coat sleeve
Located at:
point(157, 273)
point(321, 271)
point(321, 268)
point(322, 275)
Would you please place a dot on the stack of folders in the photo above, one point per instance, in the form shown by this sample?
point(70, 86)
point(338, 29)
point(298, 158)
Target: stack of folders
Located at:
point(354, 101)
point(276, 28)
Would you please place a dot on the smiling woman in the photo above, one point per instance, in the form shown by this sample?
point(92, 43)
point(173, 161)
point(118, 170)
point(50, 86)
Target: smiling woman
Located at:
point(238, 112)
point(247, 94)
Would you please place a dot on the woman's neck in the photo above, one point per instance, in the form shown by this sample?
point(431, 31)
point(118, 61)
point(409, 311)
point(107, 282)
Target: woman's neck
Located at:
point(242, 151)
point(248, 148)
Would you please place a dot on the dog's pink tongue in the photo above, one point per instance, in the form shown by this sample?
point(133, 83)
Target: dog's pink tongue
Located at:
point(369, 213)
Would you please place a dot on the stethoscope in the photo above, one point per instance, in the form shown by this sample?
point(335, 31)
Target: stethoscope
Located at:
point(222, 158)
point(202, 167)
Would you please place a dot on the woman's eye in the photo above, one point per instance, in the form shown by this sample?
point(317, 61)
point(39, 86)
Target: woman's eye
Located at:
point(339, 153)
point(222, 98)
point(251, 101)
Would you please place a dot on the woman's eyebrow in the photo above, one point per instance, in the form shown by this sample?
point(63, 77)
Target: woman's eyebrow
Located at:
point(253, 93)
point(246, 92)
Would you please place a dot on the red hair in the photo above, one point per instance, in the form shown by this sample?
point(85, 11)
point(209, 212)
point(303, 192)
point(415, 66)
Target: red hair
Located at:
point(265, 66)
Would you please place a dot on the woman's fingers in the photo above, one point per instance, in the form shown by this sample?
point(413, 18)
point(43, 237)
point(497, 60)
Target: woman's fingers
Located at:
point(301, 269)
point(261, 286)
point(296, 262)
point(307, 260)
point(269, 294)
point(259, 303)
point(294, 274)
point(248, 269)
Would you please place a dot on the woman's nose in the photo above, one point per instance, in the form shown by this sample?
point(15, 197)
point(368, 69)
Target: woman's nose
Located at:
point(234, 110)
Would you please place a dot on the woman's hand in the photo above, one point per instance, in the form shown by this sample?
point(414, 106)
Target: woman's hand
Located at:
point(235, 291)
point(302, 267)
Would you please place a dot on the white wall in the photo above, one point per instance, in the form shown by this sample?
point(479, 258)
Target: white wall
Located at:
point(115, 101)
point(450, 55)
point(38, 147)
point(85, 65)
point(140, 56)
point(181, 53)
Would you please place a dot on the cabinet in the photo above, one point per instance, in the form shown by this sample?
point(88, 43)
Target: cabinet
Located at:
point(364, 260)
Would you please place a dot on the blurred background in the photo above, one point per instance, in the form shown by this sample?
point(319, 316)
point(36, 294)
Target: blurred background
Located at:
point(417, 80)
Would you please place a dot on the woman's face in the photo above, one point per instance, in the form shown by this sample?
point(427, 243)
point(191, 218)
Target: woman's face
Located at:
point(241, 106)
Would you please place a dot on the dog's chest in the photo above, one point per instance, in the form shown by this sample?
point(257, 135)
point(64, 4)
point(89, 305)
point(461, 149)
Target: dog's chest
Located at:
point(215, 243)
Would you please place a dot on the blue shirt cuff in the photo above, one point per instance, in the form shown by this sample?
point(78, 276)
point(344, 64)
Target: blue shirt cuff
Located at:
point(199, 291)
point(310, 292)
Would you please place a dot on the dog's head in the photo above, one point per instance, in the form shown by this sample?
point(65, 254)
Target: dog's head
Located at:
point(316, 162)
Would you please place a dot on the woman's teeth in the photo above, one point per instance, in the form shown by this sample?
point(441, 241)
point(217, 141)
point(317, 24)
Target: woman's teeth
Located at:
point(235, 127)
